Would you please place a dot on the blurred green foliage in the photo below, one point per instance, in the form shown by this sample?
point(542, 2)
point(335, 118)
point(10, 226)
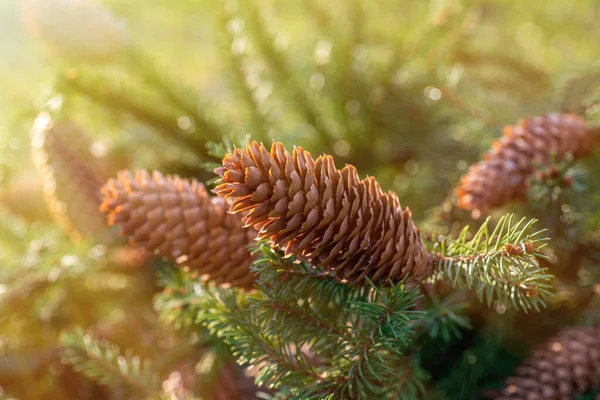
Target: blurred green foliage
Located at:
point(409, 91)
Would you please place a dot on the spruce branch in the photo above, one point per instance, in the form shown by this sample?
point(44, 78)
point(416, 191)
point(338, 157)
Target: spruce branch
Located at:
point(104, 363)
point(500, 265)
point(560, 177)
point(474, 363)
point(526, 72)
point(310, 334)
point(26, 288)
point(227, 314)
point(179, 302)
point(233, 35)
point(120, 97)
point(387, 316)
point(292, 280)
point(445, 318)
point(344, 39)
point(383, 332)
point(179, 95)
point(301, 303)
point(283, 74)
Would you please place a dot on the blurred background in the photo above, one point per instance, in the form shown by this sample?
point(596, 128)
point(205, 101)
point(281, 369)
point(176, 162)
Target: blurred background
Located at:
point(409, 91)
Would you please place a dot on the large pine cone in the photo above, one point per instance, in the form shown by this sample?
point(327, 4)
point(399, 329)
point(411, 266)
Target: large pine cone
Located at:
point(323, 215)
point(177, 219)
point(567, 365)
point(501, 177)
point(71, 175)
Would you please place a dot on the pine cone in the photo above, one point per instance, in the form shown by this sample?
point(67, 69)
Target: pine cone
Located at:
point(324, 215)
point(177, 219)
point(566, 365)
point(501, 177)
point(71, 175)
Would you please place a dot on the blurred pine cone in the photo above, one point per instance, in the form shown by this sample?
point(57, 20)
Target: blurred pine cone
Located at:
point(177, 219)
point(72, 176)
point(567, 365)
point(323, 215)
point(22, 194)
point(502, 175)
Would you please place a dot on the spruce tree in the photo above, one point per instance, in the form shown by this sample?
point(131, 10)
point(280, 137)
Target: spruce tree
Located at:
point(321, 200)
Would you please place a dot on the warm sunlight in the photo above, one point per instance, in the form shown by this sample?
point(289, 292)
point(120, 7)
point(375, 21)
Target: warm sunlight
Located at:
point(299, 200)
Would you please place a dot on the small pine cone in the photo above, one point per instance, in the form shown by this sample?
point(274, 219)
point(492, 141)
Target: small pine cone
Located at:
point(501, 177)
point(325, 216)
point(177, 219)
point(567, 365)
point(71, 175)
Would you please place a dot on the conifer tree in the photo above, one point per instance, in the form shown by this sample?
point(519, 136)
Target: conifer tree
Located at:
point(319, 222)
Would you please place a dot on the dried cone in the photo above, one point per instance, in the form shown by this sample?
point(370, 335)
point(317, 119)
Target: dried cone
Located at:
point(567, 365)
point(325, 216)
point(72, 176)
point(177, 219)
point(501, 177)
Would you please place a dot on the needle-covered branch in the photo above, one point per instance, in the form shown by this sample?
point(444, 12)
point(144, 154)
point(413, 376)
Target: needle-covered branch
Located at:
point(122, 97)
point(311, 335)
point(500, 265)
point(106, 364)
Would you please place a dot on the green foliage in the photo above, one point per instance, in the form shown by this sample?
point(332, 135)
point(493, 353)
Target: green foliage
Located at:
point(311, 335)
point(462, 382)
point(445, 318)
point(550, 182)
point(104, 362)
point(177, 94)
point(500, 265)
point(409, 92)
point(178, 303)
point(234, 47)
point(125, 97)
point(282, 73)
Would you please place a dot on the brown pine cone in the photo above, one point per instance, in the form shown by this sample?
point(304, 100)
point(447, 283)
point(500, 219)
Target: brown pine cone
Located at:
point(567, 365)
point(71, 175)
point(501, 177)
point(177, 219)
point(325, 216)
